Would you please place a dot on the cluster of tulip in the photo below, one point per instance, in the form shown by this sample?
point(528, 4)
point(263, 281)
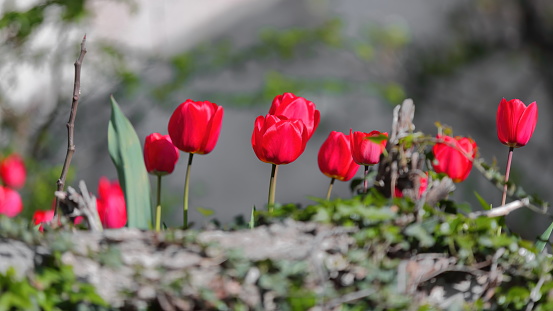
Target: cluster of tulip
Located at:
point(280, 137)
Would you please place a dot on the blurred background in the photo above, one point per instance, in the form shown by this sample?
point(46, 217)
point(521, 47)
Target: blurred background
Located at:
point(355, 59)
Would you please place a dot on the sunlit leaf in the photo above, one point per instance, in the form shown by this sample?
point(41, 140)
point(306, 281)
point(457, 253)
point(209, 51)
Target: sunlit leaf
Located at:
point(126, 153)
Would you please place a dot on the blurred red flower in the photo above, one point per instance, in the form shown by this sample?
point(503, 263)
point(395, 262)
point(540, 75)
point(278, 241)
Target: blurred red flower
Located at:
point(111, 204)
point(12, 171)
point(297, 108)
point(10, 202)
point(453, 156)
point(515, 122)
point(423, 184)
point(40, 217)
point(160, 155)
point(365, 151)
point(194, 127)
point(278, 140)
point(335, 160)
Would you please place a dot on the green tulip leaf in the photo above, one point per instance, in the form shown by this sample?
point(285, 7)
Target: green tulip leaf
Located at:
point(543, 239)
point(126, 153)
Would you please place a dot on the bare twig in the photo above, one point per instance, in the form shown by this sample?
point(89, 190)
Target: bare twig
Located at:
point(71, 122)
point(502, 210)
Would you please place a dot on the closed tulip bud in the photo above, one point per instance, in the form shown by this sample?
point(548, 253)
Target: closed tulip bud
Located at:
point(335, 160)
point(12, 171)
point(453, 156)
point(111, 204)
point(160, 155)
point(515, 122)
point(10, 202)
point(294, 107)
point(278, 140)
point(194, 127)
point(365, 151)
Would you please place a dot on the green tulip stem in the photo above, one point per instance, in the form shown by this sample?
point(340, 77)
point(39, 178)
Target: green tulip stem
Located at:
point(507, 171)
point(158, 204)
point(186, 189)
point(272, 188)
point(365, 181)
point(330, 188)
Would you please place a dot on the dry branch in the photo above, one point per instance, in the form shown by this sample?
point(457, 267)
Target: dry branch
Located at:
point(71, 123)
point(502, 210)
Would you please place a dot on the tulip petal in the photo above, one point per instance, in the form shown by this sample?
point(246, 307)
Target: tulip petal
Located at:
point(213, 130)
point(527, 124)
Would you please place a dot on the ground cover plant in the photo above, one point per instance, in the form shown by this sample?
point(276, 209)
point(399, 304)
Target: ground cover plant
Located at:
point(398, 243)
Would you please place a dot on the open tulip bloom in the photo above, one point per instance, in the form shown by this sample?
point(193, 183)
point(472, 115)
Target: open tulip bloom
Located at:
point(365, 151)
point(515, 125)
point(280, 137)
point(194, 127)
point(335, 160)
point(160, 157)
point(297, 108)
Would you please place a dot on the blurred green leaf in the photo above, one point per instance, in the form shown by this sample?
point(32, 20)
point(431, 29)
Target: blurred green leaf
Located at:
point(205, 211)
point(485, 205)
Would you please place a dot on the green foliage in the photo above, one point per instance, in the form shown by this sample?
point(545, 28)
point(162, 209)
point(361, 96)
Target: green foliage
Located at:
point(52, 288)
point(22, 23)
point(126, 153)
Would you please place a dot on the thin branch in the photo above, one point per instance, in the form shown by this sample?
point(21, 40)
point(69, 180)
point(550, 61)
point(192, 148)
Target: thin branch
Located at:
point(502, 210)
point(71, 122)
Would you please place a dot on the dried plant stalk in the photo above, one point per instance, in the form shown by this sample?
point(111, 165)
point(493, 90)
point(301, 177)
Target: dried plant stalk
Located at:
point(71, 123)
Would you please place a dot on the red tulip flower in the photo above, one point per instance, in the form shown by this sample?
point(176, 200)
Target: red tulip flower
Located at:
point(160, 155)
point(12, 171)
point(10, 202)
point(297, 108)
point(335, 160)
point(516, 122)
point(194, 127)
point(364, 151)
point(453, 156)
point(111, 204)
point(40, 217)
point(278, 140)
point(515, 126)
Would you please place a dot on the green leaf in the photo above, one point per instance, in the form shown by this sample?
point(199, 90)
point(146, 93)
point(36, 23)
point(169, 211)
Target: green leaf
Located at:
point(485, 205)
point(252, 218)
point(544, 238)
point(126, 153)
point(377, 139)
point(205, 211)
